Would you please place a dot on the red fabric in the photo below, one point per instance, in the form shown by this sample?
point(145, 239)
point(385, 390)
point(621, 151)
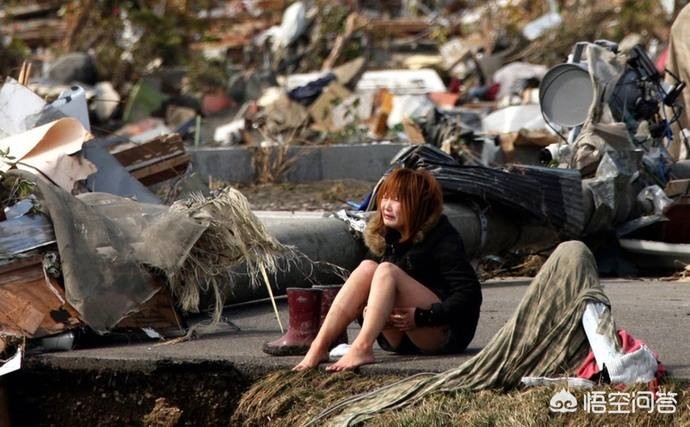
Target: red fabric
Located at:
point(455, 85)
point(492, 92)
point(661, 61)
point(589, 367)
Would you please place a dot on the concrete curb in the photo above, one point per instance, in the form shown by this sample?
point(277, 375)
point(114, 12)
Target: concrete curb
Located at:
point(309, 163)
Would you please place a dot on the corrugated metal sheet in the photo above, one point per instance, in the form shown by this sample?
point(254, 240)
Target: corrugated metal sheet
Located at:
point(549, 195)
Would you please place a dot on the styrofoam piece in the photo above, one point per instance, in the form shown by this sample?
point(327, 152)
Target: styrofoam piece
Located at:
point(402, 82)
point(106, 102)
point(17, 102)
point(229, 133)
point(514, 118)
point(539, 26)
point(408, 106)
point(292, 26)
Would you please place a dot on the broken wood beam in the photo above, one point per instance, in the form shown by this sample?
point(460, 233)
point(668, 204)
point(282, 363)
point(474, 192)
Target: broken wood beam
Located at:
point(153, 161)
point(398, 27)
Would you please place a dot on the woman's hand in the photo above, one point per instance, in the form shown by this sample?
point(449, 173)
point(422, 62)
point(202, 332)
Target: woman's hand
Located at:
point(402, 318)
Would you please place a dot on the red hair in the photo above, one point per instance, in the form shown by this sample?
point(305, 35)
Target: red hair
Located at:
point(420, 197)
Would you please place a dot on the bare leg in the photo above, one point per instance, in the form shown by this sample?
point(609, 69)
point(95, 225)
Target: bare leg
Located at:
point(345, 308)
point(390, 287)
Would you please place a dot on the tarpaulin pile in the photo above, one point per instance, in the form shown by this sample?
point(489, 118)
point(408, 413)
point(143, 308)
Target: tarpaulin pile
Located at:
point(110, 246)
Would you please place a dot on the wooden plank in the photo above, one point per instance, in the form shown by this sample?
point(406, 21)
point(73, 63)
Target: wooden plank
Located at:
point(18, 316)
point(162, 171)
point(129, 154)
point(56, 315)
point(24, 11)
point(21, 270)
point(398, 27)
point(32, 304)
point(36, 31)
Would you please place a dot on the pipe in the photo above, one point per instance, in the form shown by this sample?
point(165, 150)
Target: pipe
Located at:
point(329, 240)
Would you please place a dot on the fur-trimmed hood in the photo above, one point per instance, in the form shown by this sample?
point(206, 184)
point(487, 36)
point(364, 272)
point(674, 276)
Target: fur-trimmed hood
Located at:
point(377, 242)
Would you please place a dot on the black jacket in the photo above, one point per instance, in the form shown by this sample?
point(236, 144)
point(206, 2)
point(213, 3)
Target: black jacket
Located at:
point(436, 258)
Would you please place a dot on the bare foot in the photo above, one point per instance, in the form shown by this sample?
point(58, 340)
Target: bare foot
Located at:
point(311, 360)
point(353, 359)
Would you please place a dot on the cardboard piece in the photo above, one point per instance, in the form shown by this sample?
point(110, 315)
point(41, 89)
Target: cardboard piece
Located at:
point(157, 313)
point(413, 132)
point(677, 187)
point(48, 149)
point(321, 110)
point(356, 108)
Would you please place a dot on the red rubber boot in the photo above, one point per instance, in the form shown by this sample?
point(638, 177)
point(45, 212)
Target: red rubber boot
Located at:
point(327, 296)
point(304, 312)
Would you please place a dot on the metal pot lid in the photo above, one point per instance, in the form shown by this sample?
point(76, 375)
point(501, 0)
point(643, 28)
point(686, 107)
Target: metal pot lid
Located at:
point(565, 95)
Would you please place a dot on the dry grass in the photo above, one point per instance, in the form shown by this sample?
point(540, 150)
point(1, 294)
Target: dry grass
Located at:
point(287, 398)
point(525, 408)
point(233, 235)
point(290, 399)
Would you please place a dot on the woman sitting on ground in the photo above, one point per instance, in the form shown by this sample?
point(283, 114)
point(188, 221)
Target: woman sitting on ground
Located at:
point(416, 291)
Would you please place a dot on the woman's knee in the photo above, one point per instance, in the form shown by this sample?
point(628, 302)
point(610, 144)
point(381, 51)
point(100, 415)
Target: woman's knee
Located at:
point(368, 264)
point(362, 276)
point(387, 269)
point(367, 267)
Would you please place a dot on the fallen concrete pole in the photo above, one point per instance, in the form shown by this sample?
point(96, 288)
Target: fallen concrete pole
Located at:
point(323, 240)
point(328, 240)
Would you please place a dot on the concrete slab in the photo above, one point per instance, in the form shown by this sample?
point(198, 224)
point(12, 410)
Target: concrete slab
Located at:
point(366, 162)
point(656, 312)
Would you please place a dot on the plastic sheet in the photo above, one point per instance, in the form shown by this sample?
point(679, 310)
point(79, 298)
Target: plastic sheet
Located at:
point(656, 197)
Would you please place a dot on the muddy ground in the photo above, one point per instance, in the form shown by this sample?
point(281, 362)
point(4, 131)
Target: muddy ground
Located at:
point(204, 394)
